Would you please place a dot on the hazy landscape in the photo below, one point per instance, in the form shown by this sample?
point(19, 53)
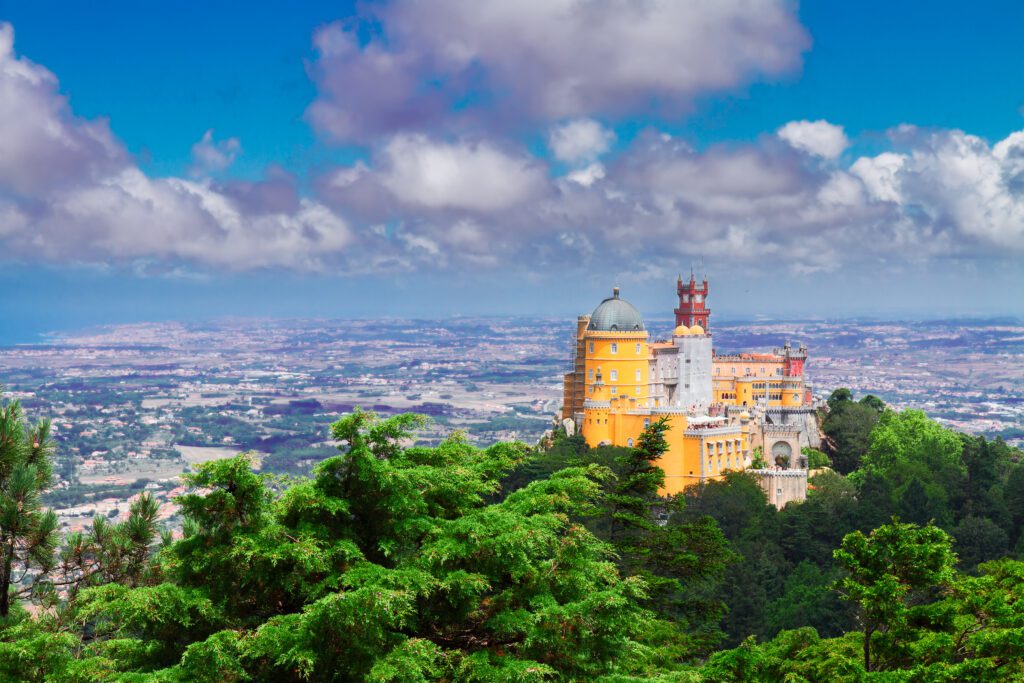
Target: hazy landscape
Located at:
point(134, 406)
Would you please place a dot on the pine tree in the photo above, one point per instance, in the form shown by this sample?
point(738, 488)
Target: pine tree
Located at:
point(28, 533)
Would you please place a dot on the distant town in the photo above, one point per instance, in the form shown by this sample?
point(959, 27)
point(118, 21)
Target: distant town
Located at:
point(136, 406)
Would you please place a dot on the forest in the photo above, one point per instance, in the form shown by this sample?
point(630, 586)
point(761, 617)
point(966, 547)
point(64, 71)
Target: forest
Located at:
point(393, 562)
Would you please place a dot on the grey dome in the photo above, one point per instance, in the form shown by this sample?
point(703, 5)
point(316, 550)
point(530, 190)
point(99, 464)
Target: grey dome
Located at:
point(616, 315)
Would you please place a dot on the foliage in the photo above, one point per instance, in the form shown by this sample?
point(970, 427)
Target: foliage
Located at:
point(757, 459)
point(815, 458)
point(28, 532)
point(847, 428)
point(399, 563)
point(889, 573)
point(389, 564)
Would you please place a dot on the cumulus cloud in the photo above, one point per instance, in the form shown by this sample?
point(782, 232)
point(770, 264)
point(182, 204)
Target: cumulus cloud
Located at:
point(211, 156)
point(419, 200)
point(542, 60)
point(580, 141)
point(69, 192)
point(587, 175)
point(413, 174)
point(467, 175)
point(819, 138)
point(759, 204)
point(42, 143)
point(961, 182)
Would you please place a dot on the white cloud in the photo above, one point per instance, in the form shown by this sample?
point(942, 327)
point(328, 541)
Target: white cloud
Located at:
point(463, 175)
point(70, 193)
point(42, 144)
point(960, 181)
point(880, 175)
point(588, 175)
point(211, 156)
point(543, 60)
point(580, 141)
point(819, 138)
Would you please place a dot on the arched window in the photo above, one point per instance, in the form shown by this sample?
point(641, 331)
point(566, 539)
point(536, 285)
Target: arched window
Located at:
point(629, 442)
point(615, 348)
point(638, 347)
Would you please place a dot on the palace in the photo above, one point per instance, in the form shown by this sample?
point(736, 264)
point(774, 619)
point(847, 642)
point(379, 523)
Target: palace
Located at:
point(720, 408)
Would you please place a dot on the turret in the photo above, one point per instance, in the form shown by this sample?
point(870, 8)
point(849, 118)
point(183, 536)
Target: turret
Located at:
point(692, 302)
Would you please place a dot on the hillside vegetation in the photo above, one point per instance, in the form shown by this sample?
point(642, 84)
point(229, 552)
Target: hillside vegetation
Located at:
point(452, 563)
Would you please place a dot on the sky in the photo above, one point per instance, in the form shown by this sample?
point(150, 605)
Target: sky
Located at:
point(430, 159)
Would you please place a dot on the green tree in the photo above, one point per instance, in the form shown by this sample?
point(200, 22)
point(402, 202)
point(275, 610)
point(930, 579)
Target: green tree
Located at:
point(388, 564)
point(838, 397)
point(847, 427)
point(874, 402)
point(815, 458)
point(739, 506)
point(635, 491)
point(979, 539)
point(28, 532)
point(889, 574)
point(807, 600)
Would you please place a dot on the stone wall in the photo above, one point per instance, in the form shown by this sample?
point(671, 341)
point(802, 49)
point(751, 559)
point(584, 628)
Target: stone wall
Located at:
point(782, 486)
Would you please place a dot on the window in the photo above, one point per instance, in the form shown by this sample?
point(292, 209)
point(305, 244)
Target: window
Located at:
point(638, 347)
point(615, 390)
point(629, 442)
point(778, 492)
point(647, 422)
point(637, 375)
point(613, 376)
point(591, 347)
point(615, 347)
point(590, 374)
point(718, 371)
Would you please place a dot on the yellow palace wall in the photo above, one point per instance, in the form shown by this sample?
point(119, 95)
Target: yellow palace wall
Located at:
point(621, 425)
point(622, 359)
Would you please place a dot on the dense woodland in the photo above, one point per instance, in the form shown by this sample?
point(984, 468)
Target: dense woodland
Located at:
point(397, 563)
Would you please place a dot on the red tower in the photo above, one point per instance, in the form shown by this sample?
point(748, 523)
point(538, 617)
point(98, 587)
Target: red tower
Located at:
point(692, 309)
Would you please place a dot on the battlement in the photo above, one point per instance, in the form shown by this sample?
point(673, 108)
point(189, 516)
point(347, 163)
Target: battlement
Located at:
point(779, 430)
point(780, 472)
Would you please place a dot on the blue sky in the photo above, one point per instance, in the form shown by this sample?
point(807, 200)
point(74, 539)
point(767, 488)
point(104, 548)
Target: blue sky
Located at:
point(395, 160)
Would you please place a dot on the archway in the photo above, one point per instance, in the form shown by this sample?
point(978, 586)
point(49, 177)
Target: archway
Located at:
point(782, 452)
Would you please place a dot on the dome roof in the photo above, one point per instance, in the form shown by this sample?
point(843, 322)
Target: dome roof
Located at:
point(744, 415)
point(696, 329)
point(681, 331)
point(616, 315)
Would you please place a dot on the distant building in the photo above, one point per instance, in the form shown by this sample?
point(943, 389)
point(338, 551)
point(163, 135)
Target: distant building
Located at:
point(719, 408)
